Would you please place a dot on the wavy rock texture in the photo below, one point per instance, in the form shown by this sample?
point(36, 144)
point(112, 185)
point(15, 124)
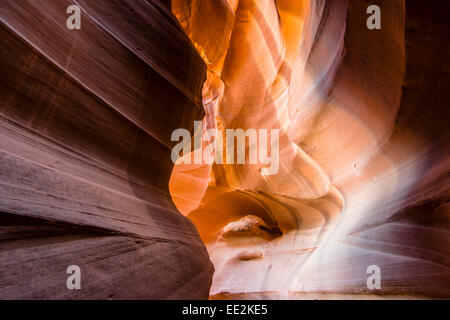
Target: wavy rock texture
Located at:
point(364, 147)
point(85, 123)
point(86, 175)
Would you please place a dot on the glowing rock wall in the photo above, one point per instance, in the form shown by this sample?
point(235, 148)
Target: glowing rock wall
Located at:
point(363, 119)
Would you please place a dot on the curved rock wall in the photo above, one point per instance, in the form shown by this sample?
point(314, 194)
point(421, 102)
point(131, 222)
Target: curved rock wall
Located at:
point(85, 124)
point(364, 160)
point(87, 178)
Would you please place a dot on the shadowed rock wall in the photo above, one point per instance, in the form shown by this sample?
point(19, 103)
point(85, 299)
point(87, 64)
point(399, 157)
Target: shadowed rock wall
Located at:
point(86, 118)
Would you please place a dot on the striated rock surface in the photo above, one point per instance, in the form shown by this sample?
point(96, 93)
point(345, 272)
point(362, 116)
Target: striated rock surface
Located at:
point(85, 123)
point(87, 178)
point(364, 140)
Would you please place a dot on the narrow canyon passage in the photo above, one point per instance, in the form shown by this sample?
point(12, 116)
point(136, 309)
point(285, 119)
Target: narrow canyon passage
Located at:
point(343, 166)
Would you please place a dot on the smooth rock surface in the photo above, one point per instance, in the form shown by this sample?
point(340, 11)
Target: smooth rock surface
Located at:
point(364, 148)
point(86, 175)
point(85, 125)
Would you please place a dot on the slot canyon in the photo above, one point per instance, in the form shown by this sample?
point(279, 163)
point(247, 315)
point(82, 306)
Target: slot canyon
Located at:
point(87, 178)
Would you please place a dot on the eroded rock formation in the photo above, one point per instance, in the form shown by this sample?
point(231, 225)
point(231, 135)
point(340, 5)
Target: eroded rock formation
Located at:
point(86, 175)
point(364, 138)
point(85, 124)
